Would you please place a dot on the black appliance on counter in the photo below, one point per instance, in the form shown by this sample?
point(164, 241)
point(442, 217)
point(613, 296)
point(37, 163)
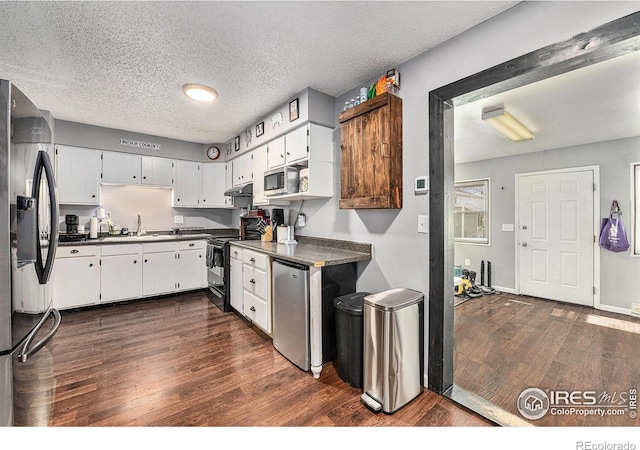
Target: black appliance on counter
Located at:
point(71, 220)
point(277, 217)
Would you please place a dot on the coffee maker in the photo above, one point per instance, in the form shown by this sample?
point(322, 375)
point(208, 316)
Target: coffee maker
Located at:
point(71, 220)
point(277, 217)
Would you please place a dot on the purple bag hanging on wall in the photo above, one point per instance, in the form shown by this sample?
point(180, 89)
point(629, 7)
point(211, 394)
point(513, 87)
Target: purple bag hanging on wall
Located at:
point(613, 236)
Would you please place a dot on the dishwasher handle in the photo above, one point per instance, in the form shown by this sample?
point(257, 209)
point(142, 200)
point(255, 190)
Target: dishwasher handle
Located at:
point(291, 264)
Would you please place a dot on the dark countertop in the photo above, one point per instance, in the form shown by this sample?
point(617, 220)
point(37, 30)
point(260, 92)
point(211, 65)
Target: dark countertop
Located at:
point(316, 252)
point(151, 237)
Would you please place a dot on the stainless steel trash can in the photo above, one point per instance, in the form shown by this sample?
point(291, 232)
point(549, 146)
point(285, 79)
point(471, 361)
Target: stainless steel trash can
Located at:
point(393, 348)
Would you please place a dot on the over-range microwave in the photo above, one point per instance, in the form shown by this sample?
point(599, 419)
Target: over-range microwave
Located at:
point(280, 181)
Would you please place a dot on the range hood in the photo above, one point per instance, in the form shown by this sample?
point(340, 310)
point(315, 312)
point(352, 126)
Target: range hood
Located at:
point(246, 190)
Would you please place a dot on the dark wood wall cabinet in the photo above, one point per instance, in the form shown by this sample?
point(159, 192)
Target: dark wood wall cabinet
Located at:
point(371, 154)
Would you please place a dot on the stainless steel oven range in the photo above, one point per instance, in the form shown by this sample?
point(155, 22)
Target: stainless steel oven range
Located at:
point(218, 269)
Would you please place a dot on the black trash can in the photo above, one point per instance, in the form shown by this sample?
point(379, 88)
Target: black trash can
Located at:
point(349, 337)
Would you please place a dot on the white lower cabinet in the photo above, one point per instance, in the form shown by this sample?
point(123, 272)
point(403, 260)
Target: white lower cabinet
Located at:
point(76, 276)
point(256, 284)
point(192, 269)
point(86, 275)
point(121, 272)
point(236, 291)
point(160, 268)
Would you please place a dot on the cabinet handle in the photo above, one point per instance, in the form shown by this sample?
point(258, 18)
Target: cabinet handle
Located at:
point(135, 261)
point(91, 265)
point(178, 199)
point(253, 308)
point(144, 178)
point(192, 244)
point(93, 195)
point(134, 177)
point(252, 281)
point(145, 260)
point(75, 251)
point(252, 260)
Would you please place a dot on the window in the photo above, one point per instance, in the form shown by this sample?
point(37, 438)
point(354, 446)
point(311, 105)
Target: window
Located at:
point(472, 211)
point(635, 199)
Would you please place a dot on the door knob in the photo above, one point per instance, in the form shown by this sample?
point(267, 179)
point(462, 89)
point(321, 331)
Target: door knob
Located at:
point(524, 244)
point(524, 227)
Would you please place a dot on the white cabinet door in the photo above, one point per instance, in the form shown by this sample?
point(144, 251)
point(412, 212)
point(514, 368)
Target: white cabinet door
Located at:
point(213, 180)
point(259, 168)
point(276, 153)
point(188, 189)
point(121, 277)
point(242, 169)
point(159, 273)
point(297, 145)
point(192, 269)
point(121, 168)
point(236, 293)
point(78, 175)
point(76, 282)
point(228, 175)
point(158, 171)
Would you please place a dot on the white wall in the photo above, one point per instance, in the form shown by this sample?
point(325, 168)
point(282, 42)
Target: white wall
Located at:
point(154, 204)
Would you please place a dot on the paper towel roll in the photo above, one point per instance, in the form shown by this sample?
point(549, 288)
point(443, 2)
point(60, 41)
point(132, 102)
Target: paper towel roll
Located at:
point(93, 228)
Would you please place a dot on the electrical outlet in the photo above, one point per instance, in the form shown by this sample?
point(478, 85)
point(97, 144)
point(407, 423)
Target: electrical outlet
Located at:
point(467, 262)
point(507, 227)
point(178, 219)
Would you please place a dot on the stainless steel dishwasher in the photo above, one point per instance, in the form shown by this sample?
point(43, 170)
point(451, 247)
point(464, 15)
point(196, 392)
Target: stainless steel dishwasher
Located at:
point(291, 312)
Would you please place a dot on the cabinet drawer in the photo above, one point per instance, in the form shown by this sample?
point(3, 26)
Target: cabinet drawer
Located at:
point(257, 311)
point(157, 247)
point(192, 245)
point(124, 249)
point(255, 281)
point(235, 252)
point(254, 259)
point(80, 250)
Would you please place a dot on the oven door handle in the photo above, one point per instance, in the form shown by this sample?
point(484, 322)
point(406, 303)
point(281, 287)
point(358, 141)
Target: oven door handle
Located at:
point(27, 350)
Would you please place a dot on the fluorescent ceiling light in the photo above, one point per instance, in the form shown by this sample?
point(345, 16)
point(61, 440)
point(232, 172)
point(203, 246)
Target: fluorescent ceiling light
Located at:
point(200, 92)
point(505, 123)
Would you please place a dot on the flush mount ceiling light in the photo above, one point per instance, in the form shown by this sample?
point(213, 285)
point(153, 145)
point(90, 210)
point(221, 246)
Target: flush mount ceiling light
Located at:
point(506, 124)
point(200, 92)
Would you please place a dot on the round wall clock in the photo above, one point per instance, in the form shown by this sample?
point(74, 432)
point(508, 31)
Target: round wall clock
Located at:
point(213, 152)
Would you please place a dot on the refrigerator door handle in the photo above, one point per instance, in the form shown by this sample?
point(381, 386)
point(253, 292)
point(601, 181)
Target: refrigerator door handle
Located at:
point(43, 164)
point(27, 350)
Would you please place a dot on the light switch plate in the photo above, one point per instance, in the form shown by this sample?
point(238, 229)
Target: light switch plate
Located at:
point(507, 227)
point(178, 219)
point(423, 224)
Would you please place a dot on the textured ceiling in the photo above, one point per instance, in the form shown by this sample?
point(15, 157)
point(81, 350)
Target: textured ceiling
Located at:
point(122, 64)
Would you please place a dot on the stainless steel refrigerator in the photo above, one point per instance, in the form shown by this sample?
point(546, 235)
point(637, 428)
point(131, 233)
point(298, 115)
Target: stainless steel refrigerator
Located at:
point(29, 220)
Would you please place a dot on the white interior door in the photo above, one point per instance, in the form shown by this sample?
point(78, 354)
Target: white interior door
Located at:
point(556, 235)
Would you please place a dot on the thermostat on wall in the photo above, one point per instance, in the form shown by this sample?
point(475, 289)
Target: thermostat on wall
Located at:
point(421, 185)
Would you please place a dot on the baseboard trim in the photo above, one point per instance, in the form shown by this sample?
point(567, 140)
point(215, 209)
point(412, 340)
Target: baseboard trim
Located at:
point(506, 290)
point(617, 310)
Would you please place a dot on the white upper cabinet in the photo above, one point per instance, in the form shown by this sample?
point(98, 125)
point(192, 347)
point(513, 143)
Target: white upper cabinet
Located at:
point(297, 145)
point(213, 186)
point(158, 171)
point(78, 175)
point(188, 187)
point(260, 167)
point(242, 169)
point(276, 153)
point(121, 168)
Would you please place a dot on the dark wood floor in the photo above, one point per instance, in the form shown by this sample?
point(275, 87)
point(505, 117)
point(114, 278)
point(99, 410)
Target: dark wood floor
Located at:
point(180, 361)
point(506, 343)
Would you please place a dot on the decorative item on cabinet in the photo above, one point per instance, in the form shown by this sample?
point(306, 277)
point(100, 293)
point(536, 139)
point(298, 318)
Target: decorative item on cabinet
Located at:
point(293, 110)
point(372, 180)
point(260, 129)
point(236, 143)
